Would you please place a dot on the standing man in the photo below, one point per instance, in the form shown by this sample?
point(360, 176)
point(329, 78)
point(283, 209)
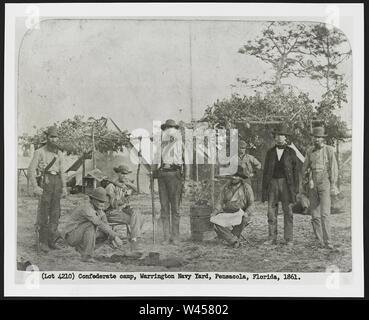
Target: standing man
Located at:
point(170, 179)
point(49, 160)
point(321, 166)
point(280, 183)
point(248, 162)
point(233, 209)
point(88, 222)
point(118, 209)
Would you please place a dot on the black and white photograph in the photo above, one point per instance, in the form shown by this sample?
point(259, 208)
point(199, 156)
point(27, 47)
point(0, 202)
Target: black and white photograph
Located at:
point(185, 148)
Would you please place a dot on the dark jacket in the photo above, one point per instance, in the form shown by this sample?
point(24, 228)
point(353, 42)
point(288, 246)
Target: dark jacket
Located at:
point(289, 159)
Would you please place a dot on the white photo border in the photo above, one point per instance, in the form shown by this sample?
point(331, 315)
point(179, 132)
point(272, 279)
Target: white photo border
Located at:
point(351, 17)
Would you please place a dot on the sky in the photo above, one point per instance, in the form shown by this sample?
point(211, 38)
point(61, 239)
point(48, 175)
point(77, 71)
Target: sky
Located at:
point(135, 71)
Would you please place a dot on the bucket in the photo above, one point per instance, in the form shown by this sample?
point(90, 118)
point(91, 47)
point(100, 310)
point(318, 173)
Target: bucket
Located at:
point(200, 221)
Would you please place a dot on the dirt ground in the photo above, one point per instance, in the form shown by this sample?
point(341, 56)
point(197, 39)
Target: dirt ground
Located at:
point(209, 255)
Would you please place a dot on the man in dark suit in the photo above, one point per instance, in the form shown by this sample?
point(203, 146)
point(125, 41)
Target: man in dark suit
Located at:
point(280, 183)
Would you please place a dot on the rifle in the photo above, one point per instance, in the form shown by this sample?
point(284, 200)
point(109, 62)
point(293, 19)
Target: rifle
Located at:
point(152, 204)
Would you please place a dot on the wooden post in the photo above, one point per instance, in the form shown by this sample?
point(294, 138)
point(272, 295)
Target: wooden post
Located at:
point(139, 165)
point(212, 174)
point(83, 174)
point(338, 162)
point(93, 149)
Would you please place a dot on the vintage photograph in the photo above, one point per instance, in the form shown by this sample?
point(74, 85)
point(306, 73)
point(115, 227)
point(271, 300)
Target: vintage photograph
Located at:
point(183, 145)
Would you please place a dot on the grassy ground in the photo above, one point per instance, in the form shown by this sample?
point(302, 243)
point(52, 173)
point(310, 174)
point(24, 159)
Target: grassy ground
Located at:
point(210, 255)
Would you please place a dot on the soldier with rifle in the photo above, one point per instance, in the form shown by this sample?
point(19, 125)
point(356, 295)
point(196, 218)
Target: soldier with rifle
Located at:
point(50, 162)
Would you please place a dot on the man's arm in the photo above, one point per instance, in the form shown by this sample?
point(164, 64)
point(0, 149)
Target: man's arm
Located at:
point(333, 166)
point(62, 169)
point(98, 221)
point(249, 199)
point(218, 206)
point(32, 169)
point(255, 162)
point(265, 176)
point(306, 164)
point(295, 170)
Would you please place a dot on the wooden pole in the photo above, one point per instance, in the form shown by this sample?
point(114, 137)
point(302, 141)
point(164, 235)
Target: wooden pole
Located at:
point(212, 185)
point(338, 162)
point(83, 174)
point(93, 152)
point(139, 165)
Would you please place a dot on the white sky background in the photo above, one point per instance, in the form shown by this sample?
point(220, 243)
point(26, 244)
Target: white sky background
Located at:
point(135, 71)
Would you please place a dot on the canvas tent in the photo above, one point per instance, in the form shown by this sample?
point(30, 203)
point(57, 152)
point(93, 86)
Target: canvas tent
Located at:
point(105, 162)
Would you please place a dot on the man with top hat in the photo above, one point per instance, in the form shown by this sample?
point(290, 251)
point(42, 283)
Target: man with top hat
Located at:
point(49, 160)
point(233, 209)
point(248, 162)
point(170, 179)
point(118, 209)
point(321, 166)
point(280, 183)
point(88, 223)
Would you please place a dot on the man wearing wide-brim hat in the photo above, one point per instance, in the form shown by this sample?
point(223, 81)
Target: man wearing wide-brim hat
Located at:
point(118, 209)
point(280, 184)
point(234, 208)
point(321, 167)
point(49, 161)
point(171, 174)
point(247, 161)
point(88, 222)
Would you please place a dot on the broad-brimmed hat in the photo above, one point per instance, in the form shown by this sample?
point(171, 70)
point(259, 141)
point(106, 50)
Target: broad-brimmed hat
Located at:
point(170, 123)
point(52, 132)
point(242, 145)
point(281, 130)
point(318, 132)
point(122, 169)
point(99, 194)
point(240, 173)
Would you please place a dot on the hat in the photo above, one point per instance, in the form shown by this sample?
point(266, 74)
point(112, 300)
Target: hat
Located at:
point(242, 144)
point(240, 173)
point(52, 132)
point(170, 123)
point(318, 132)
point(99, 194)
point(122, 169)
point(282, 130)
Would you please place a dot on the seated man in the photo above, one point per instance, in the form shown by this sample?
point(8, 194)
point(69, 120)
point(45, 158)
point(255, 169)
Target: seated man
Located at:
point(88, 222)
point(233, 209)
point(118, 209)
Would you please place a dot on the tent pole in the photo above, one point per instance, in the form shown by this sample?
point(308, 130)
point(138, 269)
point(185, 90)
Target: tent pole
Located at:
point(139, 165)
point(83, 175)
point(93, 153)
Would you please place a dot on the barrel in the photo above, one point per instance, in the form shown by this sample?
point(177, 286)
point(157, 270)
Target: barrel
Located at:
point(200, 221)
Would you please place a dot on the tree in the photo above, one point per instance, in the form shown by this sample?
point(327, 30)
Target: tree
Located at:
point(295, 109)
point(328, 49)
point(75, 136)
point(281, 46)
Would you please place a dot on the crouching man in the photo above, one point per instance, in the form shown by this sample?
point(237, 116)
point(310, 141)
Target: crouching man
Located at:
point(233, 209)
point(88, 222)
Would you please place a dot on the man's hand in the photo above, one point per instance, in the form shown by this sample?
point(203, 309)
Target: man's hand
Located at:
point(334, 190)
point(311, 184)
point(64, 192)
point(38, 191)
point(214, 213)
point(117, 242)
